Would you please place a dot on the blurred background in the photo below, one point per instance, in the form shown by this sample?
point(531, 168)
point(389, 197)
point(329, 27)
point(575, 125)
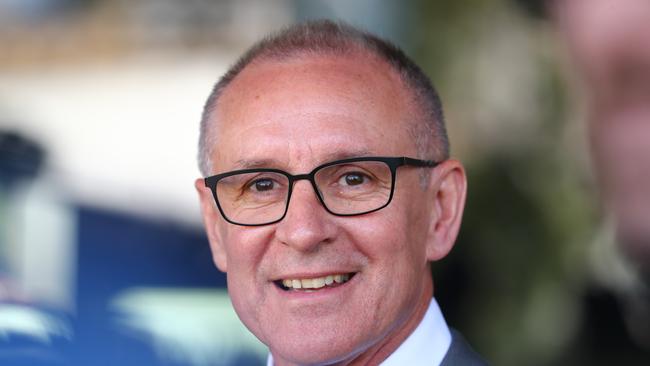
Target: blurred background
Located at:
point(103, 260)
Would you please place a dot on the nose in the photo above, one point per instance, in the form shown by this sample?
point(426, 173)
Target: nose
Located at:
point(306, 225)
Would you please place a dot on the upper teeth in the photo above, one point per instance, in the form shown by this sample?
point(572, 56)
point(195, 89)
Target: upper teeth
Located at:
point(317, 282)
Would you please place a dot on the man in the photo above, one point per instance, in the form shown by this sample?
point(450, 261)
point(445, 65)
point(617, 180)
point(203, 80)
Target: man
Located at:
point(609, 45)
point(329, 192)
point(608, 42)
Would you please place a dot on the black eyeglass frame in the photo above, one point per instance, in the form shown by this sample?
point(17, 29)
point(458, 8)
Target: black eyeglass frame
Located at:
point(392, 162)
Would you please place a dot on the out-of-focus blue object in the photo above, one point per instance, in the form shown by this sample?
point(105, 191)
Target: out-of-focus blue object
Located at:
point(145, 291)
point(193, 326)
point(30, 335)
point(149, 294)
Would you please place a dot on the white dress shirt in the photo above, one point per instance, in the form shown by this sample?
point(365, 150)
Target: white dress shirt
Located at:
point(427, 345)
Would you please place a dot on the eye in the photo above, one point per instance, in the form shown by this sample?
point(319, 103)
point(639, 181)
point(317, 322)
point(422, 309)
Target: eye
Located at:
point(353, 179)
point(262, 185)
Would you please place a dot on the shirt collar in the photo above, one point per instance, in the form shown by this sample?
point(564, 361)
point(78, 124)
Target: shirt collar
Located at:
point(427, 345)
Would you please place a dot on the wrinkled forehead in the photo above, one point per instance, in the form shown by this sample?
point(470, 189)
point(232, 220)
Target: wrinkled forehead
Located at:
point(359, 96)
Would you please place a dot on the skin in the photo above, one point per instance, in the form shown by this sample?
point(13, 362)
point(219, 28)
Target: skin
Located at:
point(297, 114)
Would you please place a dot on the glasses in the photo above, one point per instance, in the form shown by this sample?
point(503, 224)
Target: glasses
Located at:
point(348, 187)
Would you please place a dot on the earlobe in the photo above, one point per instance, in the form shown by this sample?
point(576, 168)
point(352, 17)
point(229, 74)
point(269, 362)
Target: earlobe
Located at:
point(210, 219)
point(448, 186)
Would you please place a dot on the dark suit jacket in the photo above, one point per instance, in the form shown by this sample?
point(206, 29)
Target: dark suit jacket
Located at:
point(460, 353)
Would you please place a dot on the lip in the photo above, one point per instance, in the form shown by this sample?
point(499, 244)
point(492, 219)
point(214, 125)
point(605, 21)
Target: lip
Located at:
point(309, 275)
point(317, 295)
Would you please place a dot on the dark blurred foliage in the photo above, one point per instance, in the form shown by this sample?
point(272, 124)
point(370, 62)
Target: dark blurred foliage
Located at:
point(517, 283)
point(514, 284)
point(441, 26)
point(535, 8)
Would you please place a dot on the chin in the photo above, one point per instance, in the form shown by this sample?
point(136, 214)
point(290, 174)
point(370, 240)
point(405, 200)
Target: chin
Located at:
point(316, 350)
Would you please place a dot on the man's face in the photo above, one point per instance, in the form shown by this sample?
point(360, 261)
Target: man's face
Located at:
point(295, 115)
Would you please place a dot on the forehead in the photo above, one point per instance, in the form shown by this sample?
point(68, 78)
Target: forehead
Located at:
point(310, 104)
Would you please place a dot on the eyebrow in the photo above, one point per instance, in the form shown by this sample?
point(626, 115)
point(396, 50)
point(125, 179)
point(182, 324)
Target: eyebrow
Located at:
point(252, 164)
point(274, 163)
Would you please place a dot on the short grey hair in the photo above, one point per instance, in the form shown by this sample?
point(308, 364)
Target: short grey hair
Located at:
point(326, 37)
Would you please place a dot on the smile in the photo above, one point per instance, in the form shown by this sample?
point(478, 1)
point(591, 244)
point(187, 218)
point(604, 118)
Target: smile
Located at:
point(310, 284)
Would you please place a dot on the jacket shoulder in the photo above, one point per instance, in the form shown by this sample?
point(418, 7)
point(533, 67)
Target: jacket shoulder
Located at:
point(460, 353)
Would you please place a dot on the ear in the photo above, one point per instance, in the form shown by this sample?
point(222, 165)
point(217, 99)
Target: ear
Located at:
point(211, 217)
point(448, 189)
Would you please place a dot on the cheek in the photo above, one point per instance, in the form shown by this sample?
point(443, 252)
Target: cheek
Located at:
point(245, 246)
point(394, 257)
point(405, 222)
point(245, 249)
point(389, 238)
